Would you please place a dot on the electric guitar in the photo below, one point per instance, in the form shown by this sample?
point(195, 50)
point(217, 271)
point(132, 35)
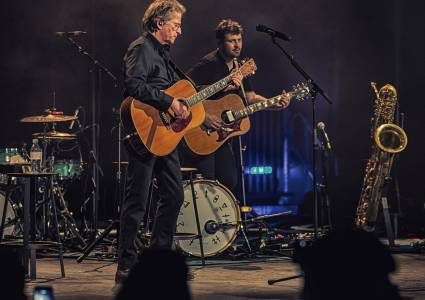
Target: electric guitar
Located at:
point(234, 114)
point(160, 132)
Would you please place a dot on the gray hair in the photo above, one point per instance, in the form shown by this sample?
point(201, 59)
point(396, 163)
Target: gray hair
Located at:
point(160, 11)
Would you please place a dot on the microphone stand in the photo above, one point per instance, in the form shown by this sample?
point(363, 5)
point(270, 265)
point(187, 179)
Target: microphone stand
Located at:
point(315, 89)
point(241, 162)
point(96, 72)
point(115, 223)
point(324, 187)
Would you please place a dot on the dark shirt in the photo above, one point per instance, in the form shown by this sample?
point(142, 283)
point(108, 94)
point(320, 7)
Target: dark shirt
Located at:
point(210, 69)
point(148, 70)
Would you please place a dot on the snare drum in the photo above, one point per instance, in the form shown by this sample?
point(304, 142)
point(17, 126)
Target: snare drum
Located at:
point(219, 217)
point(68, 168)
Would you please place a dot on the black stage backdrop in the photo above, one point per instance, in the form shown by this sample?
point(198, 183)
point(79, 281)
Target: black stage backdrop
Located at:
point(343, 45)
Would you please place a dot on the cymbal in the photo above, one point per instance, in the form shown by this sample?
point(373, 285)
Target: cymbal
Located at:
point(55, 135)
point(49, 118)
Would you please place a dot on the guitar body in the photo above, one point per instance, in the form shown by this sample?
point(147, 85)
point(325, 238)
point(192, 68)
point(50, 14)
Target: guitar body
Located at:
point(153, 134)
point(200, 142)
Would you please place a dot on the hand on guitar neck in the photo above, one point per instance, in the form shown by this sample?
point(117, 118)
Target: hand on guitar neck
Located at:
point(180, 109)
point(283, 103)
point(237, 82)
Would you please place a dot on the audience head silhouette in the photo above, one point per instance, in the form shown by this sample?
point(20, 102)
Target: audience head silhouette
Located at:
point(158, 274)
point(12, 276)
point(348, 264)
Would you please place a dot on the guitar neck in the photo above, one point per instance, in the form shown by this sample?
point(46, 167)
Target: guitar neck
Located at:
point(253, 108)
point(209, 91)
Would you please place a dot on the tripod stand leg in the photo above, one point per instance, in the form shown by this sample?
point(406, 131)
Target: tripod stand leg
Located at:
point(3, 217)
point(246, 238)
point(70, 223)
point(92, 245)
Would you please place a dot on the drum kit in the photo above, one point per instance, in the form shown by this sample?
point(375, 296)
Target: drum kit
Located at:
point(219, 212)
point(66, 171)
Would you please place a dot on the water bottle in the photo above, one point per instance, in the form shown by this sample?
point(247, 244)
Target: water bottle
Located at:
point(35, 156)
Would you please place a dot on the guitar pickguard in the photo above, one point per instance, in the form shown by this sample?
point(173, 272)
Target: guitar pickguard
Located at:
point(178, 125)
point(226, 130)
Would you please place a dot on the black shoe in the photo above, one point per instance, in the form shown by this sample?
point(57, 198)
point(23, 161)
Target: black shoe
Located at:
point(121, 275)
point(190, 275)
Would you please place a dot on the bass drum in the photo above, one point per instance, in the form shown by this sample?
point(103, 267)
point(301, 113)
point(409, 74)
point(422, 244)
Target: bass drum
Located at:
point(9, 225)
point(219, 218)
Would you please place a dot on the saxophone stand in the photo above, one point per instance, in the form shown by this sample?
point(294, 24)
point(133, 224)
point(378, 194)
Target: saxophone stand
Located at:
point(386, 212)
point(315, 89)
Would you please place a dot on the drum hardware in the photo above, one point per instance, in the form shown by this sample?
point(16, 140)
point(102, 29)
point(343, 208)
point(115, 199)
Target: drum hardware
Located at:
point(13, 223)
point(246, 209)
point(55, 135)
point(69, 222)
point(198, 236)
point(217, 209)
point(264, 217)
point(64, 171)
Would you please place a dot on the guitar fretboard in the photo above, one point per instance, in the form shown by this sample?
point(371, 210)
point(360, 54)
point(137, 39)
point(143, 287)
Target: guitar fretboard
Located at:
point(209, 91)
point(250, 109)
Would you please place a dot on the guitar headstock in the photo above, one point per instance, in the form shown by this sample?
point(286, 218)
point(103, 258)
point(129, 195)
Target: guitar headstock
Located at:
point(248, 67)
point(300, 91)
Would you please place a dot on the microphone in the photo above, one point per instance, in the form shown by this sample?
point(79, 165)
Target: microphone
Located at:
point(70, 33)
point(273, 33)
point(327, 142)
point(77, 111)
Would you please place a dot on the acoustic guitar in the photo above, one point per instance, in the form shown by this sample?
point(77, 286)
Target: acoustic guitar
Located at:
point(234, 114)
point(159, 132)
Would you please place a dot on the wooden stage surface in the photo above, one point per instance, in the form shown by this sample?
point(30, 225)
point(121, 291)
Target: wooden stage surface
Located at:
point(94, 279)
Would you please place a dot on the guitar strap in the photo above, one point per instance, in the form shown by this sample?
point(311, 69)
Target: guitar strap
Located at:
point(165, 53)
point(236, 65)
point(182, 74)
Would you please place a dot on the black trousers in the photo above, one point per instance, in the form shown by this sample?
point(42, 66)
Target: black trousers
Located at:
point(220, 165)
point(140, 172)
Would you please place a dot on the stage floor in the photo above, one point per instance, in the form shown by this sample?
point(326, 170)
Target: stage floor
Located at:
point(235, 280)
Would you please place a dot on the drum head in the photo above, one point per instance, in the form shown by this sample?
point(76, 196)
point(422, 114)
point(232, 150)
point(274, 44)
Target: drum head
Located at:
point(217, 207)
